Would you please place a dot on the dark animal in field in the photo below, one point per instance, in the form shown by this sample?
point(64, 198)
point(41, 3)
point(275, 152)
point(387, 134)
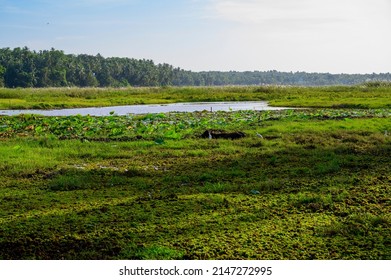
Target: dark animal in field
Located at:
point(220, 134)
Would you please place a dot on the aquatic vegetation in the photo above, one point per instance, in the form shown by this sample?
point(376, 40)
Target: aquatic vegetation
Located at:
point(166, 126)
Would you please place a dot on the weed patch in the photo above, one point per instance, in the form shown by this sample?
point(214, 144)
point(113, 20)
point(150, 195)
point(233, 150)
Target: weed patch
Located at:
point(310, 184)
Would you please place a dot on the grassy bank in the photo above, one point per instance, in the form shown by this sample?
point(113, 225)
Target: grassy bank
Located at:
point(300, 185)
point(364, 97)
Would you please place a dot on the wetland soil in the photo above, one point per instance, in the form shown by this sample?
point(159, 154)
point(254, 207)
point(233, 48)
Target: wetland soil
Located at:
point(316, 185)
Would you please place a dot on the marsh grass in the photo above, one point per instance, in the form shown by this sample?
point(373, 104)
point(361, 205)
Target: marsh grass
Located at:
point(153, 252)
point(352, 97)
point(315, 186)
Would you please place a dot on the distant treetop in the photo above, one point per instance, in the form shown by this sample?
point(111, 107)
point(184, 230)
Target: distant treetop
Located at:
point(21, 67)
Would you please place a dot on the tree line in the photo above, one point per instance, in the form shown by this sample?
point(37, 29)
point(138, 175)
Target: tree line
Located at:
point(21, 67)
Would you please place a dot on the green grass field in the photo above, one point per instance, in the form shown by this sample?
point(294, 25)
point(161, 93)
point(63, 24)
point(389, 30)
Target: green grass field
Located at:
point(363, 96)
point(301, 184)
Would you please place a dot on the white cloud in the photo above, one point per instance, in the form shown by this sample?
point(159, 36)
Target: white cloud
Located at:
point(251, 11)
point(305, 35)
point(298, 11)
point(101, 2)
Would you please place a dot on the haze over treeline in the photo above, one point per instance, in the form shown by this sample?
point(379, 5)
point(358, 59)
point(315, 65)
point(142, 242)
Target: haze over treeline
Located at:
point(21, 67)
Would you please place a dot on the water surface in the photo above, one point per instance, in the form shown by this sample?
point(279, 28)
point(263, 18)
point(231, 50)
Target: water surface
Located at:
point(152, 108)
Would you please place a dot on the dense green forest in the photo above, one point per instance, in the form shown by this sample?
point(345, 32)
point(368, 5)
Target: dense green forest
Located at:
point(21, 67)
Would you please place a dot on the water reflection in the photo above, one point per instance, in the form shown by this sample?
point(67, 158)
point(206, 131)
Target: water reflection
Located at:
point(146, 109)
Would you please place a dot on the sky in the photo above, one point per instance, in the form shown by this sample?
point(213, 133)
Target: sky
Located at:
point(334, 36)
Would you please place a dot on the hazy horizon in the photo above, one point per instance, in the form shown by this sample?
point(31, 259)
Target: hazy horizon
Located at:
point(314, 36)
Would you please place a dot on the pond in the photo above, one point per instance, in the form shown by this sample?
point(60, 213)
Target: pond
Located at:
point(152, 108)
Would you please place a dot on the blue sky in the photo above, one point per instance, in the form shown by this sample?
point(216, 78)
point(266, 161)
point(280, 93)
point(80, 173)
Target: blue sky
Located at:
point(337, 36)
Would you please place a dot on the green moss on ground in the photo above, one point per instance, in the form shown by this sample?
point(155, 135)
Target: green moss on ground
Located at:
point(316, 185)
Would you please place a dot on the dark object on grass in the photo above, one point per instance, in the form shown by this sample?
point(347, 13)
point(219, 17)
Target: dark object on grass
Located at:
point(220, 134)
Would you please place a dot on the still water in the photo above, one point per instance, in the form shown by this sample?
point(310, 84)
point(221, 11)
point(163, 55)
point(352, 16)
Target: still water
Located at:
point(146, 109)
